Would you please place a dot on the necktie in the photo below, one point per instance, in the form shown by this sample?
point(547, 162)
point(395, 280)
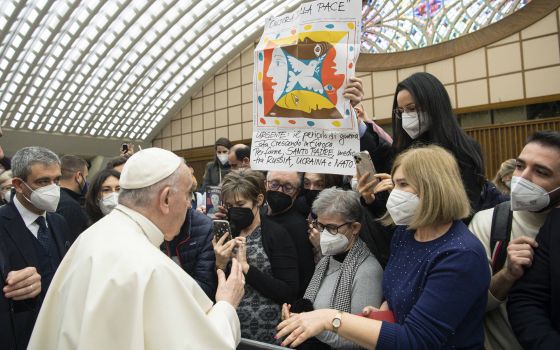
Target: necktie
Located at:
point(43, 233)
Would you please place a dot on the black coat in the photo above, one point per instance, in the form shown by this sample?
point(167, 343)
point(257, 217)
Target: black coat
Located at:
point(193, 248)
point(534, 301)
point(17, 252)
point(76, 217)
point(214, 174)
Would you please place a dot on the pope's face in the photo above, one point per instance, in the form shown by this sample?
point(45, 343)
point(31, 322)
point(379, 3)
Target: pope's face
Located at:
point(179, 203)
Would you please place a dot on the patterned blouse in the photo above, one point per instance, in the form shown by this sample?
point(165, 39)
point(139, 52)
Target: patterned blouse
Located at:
point(258, 314)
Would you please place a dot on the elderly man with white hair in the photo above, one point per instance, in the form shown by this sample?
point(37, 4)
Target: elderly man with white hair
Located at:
point(116, 290)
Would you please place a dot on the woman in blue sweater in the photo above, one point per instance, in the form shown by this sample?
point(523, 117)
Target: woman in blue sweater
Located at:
point(437, 277)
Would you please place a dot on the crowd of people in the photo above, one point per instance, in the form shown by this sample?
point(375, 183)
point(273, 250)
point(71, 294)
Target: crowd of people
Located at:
point(424, 254)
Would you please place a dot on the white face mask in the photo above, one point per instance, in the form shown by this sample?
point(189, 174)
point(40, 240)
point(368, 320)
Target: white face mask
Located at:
point(108, 203)
point(402, 206)
point(8, 196)
point(354, 184)
point(528, 196)
point(412, 124)
point(223, 158)
point(45, 198)
point(332, 244)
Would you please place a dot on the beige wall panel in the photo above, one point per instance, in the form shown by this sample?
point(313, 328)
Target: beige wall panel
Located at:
point(382, 107)
point(176, 143)
point(208, 103)
point(167, 130)
point(542, 82)
point(234, 96)
point(234, 114)
point(247, 112)
point(235, 132)
point(545, 26)
point(209, 120)
point(157, 143)
point(221, 117)
point(510, 39)
point(384, 83)
point(247, 74)
point(221, 100)
point(186, 110)
point(220, 84)
point(175, 127)
point(197, 139)
point(186, 141)
point(247, 130)
point(506, 88)
point(472, 93)
point(209, 137)
point(166, 143)
point(247, 93)
point(368, 107)
point(197, 106)
point(471, 65)
point(406, 72)
point(247, 56)
point(367, 85)
point(208, 89)
point(197, 123)
point(541, 52)
point(186, 126)
point(235, 63)
point(451, 92)
point(222, 132)
point(234, 78)
point(443, 70)
point(504, 59)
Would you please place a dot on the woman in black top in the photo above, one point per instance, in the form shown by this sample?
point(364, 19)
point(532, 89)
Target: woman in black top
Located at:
point(422, 114)
point(265, 251)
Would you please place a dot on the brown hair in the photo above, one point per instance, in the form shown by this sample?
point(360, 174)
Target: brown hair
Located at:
point(434, 173)
point(245, 182)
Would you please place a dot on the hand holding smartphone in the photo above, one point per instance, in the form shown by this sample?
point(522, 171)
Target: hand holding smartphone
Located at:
point(221, 228)
point(365, 165)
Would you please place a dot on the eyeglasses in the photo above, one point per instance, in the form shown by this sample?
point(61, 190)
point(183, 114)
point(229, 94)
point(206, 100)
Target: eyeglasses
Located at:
point(400, 110)
point(332, 229)
point(286, 188)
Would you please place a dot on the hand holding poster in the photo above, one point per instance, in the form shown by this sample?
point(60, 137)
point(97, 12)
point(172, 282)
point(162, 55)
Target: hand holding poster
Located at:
point(301, 120)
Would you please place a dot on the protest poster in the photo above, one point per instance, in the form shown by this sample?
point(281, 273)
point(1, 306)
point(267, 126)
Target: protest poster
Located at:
point(301, 121)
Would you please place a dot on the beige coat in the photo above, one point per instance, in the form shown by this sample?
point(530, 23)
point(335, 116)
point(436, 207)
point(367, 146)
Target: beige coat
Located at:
point(116, 290)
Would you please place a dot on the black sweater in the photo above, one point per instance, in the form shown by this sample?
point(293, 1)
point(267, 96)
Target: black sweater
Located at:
point(282, 285)
point(534, 301)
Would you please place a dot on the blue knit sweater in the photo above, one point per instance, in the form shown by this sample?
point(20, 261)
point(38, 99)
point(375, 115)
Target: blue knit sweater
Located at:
point(437, 290)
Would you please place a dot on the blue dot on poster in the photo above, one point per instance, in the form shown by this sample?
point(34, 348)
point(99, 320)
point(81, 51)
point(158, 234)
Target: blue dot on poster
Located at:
point(260, 56)
point(310, 123)
point(347, 112)
point(330, 26)
point(351, 48)
point(260, 99)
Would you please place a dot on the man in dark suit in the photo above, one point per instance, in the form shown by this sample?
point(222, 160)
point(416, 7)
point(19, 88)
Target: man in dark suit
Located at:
point(33, 240)
point(73, 189)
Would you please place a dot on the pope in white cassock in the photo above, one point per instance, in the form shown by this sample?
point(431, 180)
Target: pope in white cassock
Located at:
point(115, 289)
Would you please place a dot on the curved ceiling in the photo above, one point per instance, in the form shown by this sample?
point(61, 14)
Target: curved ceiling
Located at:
point(114, 68)
point(117, 68)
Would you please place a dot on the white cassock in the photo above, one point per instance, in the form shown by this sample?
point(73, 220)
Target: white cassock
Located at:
point(116, 290)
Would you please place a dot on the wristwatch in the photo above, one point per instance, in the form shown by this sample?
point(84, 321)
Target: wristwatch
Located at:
point(337, 321)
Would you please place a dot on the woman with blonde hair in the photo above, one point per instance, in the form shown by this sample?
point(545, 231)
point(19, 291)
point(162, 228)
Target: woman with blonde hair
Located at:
point(437, 277)
point(502, 179)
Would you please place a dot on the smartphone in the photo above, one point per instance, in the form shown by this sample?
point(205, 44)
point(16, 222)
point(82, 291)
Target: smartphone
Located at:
point(365, 165)
point(124, 148)
point(221, 227)
point(213, 200)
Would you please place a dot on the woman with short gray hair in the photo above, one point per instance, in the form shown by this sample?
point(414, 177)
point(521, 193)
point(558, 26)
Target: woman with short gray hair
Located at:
point(348, 277)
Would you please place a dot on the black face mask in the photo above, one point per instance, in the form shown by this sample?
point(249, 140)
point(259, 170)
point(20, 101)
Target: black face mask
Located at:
point(240, 218)
point(310, 196)
point(278, 201)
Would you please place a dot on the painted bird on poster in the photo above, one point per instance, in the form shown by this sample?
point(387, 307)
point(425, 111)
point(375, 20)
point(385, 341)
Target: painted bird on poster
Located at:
point(303, 73)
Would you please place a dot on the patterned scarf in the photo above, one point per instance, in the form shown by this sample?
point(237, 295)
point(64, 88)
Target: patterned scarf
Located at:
point(341, 298)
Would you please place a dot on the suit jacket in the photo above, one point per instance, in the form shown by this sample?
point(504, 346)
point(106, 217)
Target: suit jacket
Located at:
point(17, 318)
